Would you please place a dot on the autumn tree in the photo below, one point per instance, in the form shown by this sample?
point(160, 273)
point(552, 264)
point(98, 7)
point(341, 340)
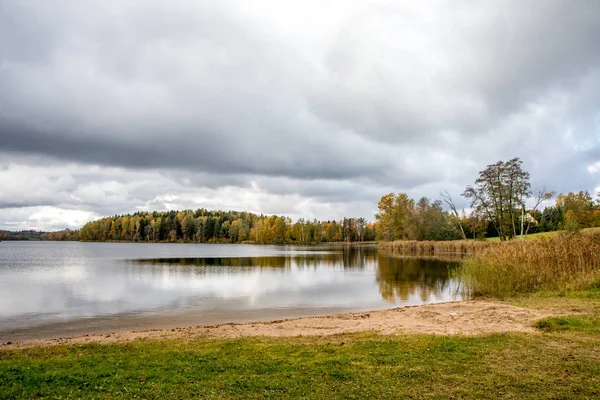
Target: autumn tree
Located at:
point(476, 223)
point(578, 209)
point(432, 222)
point(394, 213)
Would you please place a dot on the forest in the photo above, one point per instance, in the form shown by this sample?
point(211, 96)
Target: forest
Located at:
point(204, 226)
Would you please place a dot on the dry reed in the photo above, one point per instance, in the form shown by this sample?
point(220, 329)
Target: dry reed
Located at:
point(563, 262)
point(430, 248)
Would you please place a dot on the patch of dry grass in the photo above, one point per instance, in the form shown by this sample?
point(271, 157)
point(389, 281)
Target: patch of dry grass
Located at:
point(426, 247)
point(562, 262)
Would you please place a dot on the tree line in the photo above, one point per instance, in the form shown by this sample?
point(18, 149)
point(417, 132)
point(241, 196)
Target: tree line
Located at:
point(502, 204)
point(204, 226)
point(21, 235)
point(33, 235)
point(501, 195)
point(403, 218)
point(570, 212)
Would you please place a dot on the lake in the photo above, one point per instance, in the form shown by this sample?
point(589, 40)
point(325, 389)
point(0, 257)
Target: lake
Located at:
point(50, 289)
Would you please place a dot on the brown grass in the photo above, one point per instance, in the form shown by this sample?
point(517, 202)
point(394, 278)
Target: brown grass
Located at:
point(563, 262)
point(416, 247)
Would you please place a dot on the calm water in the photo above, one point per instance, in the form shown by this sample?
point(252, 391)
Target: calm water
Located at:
point(44, 283)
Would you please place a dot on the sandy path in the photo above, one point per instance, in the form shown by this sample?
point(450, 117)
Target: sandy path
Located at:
point(468, 318)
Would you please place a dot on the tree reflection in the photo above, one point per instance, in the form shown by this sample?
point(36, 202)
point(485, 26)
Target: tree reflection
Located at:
point(401, 278)
point(398, 279)
point(348, 258)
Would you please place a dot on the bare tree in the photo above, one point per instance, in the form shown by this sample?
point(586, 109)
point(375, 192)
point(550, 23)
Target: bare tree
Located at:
point(448, 200)
point(540, 197)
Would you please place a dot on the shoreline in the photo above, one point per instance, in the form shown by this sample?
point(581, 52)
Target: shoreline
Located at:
point(373, 244)
point(470, 317)
point(146, 321)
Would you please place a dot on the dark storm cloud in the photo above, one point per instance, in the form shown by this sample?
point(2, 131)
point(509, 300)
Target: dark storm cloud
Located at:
point(208, 153)
point(123, 95)
point(284, 105)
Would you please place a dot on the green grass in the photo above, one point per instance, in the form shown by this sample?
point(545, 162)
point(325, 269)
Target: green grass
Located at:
point(544, 235)
point(574, 311)
point(569, 323)
point(562, 361)
point(349, 366)
point(531, 236)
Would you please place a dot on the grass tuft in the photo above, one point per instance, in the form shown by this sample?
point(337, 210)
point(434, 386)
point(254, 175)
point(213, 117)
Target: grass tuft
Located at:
point(569, 323)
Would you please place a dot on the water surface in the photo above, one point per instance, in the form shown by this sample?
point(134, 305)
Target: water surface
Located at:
point(133, 285)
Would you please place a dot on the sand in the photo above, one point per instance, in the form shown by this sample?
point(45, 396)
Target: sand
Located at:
point(464, 318)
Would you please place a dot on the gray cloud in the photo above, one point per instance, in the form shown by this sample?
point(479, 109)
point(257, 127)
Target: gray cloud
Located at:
point(125, 104)
point(391, 78)
point(110, 107)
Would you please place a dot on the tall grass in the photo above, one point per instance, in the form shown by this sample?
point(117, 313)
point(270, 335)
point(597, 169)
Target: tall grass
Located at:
point(429, 248)
point(563, 262)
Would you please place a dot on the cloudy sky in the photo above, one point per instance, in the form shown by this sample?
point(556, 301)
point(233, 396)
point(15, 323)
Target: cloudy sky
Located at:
point(303, 108)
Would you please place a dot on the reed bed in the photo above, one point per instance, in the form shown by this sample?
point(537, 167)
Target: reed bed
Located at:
point(431, 248)
point(560, 263)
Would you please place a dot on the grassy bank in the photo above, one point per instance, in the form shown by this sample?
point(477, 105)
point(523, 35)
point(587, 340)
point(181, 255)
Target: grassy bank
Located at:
point(560, 263)
point(430, 248)
point(561, 361)
point(554, 364)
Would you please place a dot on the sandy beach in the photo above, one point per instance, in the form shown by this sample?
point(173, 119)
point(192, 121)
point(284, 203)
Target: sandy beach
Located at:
point(465, 318)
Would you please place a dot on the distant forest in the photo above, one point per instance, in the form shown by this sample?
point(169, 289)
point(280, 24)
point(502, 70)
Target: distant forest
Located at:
point(204, 226)
point(22, 235)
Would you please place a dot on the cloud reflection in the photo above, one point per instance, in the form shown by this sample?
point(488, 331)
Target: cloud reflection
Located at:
point(90, 280)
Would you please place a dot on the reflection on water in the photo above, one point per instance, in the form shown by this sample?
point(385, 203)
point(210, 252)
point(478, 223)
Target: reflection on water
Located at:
point(49, 282)
point(400, 279)
point(348, 258)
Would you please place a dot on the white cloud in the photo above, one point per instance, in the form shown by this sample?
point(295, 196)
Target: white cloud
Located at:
point(594, 168)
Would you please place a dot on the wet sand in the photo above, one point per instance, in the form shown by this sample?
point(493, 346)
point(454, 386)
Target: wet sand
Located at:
point(467, 318)
point(149, 321)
